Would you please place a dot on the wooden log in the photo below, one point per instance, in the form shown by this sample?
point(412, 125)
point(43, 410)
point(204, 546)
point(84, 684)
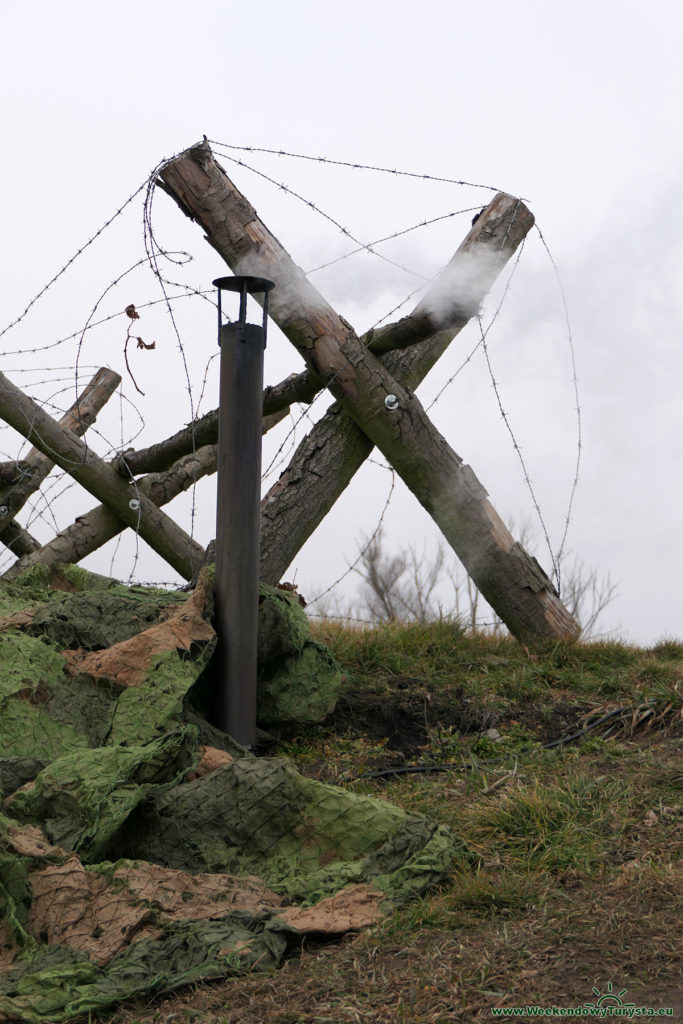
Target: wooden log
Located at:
point(163, 454)
point(102, 480)
point(510, 580)
point(11, 472)
point(92, 530)
point(459, 290)
point(19, 541)
point(335, 449)
point(36, 466)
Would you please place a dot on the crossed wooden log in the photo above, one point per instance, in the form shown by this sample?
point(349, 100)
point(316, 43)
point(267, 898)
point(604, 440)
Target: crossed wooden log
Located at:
point(361, 372)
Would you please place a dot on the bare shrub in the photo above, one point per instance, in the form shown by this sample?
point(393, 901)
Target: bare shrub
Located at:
point(407, 586)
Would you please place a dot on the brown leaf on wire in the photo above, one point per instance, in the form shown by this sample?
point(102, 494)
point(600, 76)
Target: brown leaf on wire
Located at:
point(132, 312)
point(143, 344)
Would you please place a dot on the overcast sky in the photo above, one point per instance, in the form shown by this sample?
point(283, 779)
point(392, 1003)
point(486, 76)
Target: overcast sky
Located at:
point(574, 107)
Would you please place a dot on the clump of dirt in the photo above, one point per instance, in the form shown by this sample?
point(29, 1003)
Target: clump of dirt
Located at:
point(406, 716)
point(549, 723)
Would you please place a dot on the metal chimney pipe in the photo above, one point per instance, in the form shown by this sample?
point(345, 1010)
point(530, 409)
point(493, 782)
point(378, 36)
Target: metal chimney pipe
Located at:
point(238, 509)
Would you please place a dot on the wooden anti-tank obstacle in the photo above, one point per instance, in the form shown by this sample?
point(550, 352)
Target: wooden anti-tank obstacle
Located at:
point(373, 379)
point(370, 392)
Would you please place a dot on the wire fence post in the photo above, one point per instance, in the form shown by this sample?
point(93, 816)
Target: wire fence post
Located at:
point(238, 507)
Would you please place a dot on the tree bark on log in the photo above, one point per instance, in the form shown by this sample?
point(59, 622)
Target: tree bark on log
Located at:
point(36, 466)
point(12, 472)
point(162, 455)
point(19, 541)
point(335, 449)
point(65, 449)
point(474, 267)
point(510, 580)
point(92, 530)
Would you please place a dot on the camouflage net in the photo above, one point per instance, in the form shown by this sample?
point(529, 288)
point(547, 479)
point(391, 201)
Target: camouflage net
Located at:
point(140, 848)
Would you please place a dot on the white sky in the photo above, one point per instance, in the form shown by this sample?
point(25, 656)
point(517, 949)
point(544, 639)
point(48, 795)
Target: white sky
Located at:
point(575, 107)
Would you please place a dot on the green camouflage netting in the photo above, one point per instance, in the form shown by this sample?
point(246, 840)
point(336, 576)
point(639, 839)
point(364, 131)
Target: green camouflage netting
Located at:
point(140, 848)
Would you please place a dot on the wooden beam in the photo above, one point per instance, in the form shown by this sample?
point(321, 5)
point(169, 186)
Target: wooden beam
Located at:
point(19, 541)
point(390, 415)
point(65, 449)
point(35, 467)
point(92, 530)
point(334, 450)
point(164, 454)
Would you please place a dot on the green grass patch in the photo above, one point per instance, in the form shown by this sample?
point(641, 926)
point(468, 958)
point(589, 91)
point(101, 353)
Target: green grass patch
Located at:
point(444, 654)
point(549, 827)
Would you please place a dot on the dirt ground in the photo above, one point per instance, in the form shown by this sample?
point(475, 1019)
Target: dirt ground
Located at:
point(559, 938)
point(625, 935)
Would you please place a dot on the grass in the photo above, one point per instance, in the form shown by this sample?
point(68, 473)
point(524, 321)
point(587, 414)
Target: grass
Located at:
point(579, 880)
point(443, 652)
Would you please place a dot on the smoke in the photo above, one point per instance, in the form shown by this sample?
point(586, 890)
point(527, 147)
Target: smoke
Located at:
point(461, 287)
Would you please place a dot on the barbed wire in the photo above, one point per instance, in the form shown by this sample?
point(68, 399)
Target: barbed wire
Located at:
point(188, 293)
point(342, 618)
point(73, 259)
point(575, 385)
point(370, 541)
point(355, 165)
point(113, 284)
point(525, 472)
point(363, 246)
point(156, 253)
point(491, 323)
point(369, 247)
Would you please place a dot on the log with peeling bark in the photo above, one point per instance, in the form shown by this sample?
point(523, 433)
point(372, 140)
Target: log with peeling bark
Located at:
point(195, 435)
point(65, 449)
point(335, 449)
point(92, 530)
point(510, 580)
point(36, 466)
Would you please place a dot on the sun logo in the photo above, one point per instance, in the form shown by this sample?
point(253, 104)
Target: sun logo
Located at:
point(610, 998)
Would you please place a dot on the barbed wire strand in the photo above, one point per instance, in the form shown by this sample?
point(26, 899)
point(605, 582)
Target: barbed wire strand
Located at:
point(354, 165)
point(389, 238)
point(375, 532)
point(363, 246)
point(575, 384)
point(73, 259)
point(155, 251)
